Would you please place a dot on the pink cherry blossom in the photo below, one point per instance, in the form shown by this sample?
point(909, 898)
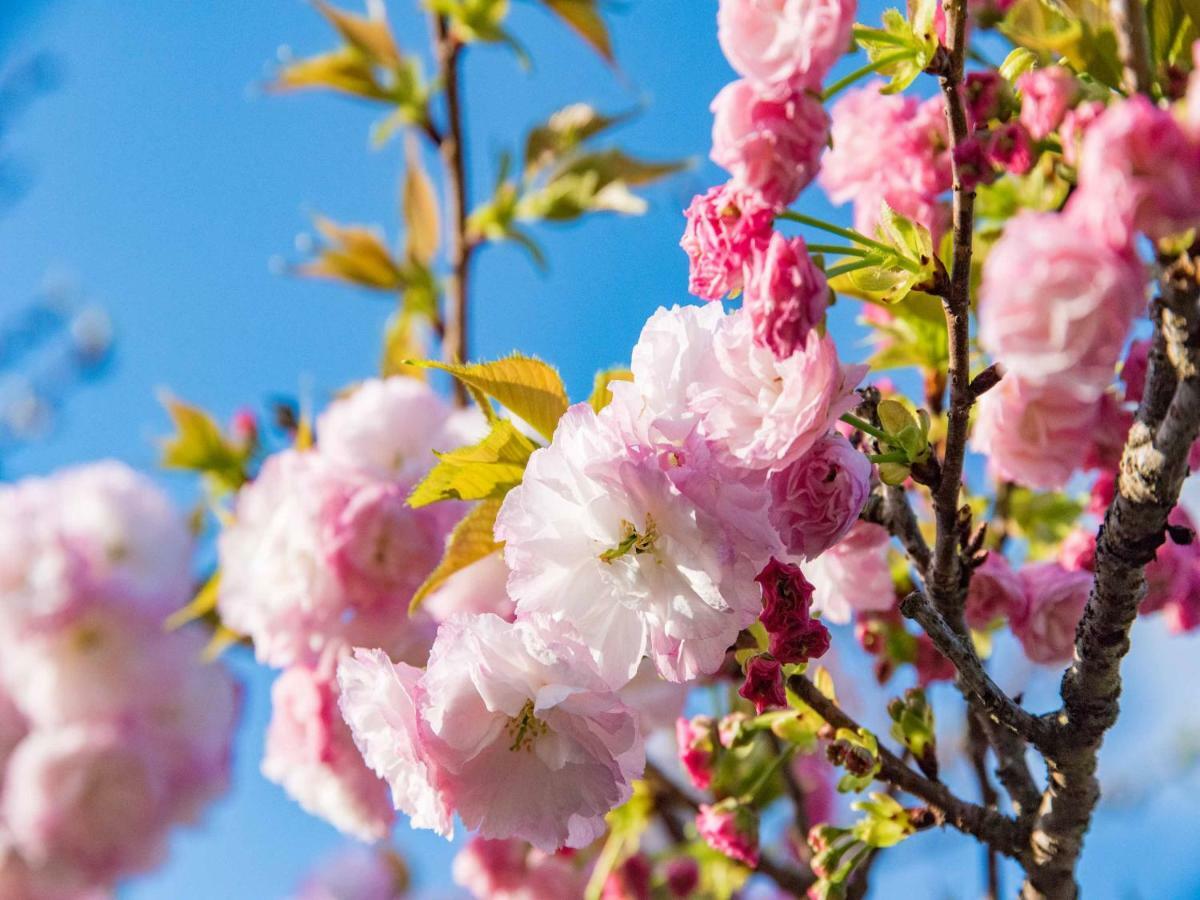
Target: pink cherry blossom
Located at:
point(853, 575)
point(312, 755)
point(786, 294)
point(1173, 579)
point(1135, 368)
point(771, 145)
point(986, 96)
point(909, 171)
point(694, 740)
point(1065, 319)
point(512, 870)
point(724, 226)
point(730, 829)
point(481, 587)
point(1034, 436)
point(764, 413)
point(1046, 95)
point(356, 873)
point(785, 42)
point(995, 593)
point(1009, 148)
point(610, 540)
point(497, 696)
point(816, 500)
point(1056, 597)
point(1078, 551)
point(656, 702)
point(1138, 172)
point(1075, 125)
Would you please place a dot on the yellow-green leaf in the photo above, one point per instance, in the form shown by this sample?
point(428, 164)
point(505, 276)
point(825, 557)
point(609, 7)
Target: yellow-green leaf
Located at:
point(198, 445)
point(420, 208)
point(470, 541)
point(200, 606)
point(584, 18)
point(344, 70)
point(601, 392)
point(527, 386)
point(371, 36)
point(485, 470)
point(401, 343)
point(356, 254)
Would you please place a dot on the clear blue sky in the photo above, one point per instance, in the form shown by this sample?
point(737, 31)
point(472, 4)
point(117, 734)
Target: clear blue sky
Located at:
point(165, 181)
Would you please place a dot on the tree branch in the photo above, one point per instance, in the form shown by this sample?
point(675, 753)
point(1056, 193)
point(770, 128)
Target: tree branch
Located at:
point(1153, 468)
point(994, 829)
point(1133, 46)
point(452, 147)
point(890, 508)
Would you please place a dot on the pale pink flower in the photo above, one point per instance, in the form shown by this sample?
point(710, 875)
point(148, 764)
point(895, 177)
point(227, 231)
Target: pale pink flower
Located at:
point(816, 500)
point(481, 587)
point(785, 42)
point(770, 145)
point(1035, 436)
point(1046, 95)
point(1173, 579)
point(909, 170)
point(21, 881)
point(13, 727)
point(853, 575)
point(786, 294)
point(499, 697)
point(1135, 368)
point(1056, 597)
point(723, 226)
point(996, 592)
point(609, 538)
point(356, 873)
point(511, 870)
point(389, 428)
point(1075, 125)
point(730, 829)
point(1056, 304)
point(91, 798)
point(1138, 172)
point(311, 754)
point(764, 413)
point(656, 702)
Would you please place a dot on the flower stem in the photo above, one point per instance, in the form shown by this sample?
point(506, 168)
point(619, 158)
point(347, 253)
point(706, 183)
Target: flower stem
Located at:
point(848, 233)
point(776, 764)
point(834, 248)
point(858, 74)
point(866, 427)
point(848, 267)
point(896, 456)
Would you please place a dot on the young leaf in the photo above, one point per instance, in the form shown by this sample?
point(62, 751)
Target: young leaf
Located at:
point(198, 445)
point(528, 387)
point(355, 254)
point(470, 541)
point(370, 36)
point(564, 131)
point(420, 208)
point(485, 470)
point(200, 606)
point(345, 70)
point(401, 343)
point(601, 393)
point(584, 18)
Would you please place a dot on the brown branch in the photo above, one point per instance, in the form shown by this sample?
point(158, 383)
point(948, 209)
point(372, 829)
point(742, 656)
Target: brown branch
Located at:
point(889, 507)
point(452, 147)
point(993, 828)
point(1012, 768)
point(977, 744)
point(1133, 46)
point(1153, 468)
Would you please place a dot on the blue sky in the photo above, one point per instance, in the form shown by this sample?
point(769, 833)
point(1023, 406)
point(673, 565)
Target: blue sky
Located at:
point(165, 181)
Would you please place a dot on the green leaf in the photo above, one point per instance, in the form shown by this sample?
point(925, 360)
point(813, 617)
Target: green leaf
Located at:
point(401, 343)
point(474, 20)
point(584, 18)
point(601, 393)
point(470, 541)
point(487, 470)
point(345, 70)
point(900, 49)
point(564, 131)
point(1078, 30)
point(528, 387)
point(370, 36)
point(199, 445)
point(886, 823)
point(1042, 519)
point(420, 204)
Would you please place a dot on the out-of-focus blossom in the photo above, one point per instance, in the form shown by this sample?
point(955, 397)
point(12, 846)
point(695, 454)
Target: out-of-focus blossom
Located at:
point(1173, 579)
point(853, 574)
point(816, 500)
point(1075, 125)
point(771, 145)
point(731, 829)
point(1009, 148)
point(1078, 550)
point(497, 697)
point(1046, 95)
point(764, 684)
point(724, 227)
point(512, 870)
point(1056, 597)
point(628, 881)
point(694, 740)
point(682, 876)
point(311, 753)
point(995, 593)
point(791, 43)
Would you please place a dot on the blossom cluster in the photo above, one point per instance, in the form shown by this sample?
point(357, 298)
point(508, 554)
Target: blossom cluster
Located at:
point(112, 729)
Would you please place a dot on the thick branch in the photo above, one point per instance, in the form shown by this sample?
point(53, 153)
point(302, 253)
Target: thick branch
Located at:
point(1153, 468)
point(991, 827)
point(453, 150)
point(890, 508)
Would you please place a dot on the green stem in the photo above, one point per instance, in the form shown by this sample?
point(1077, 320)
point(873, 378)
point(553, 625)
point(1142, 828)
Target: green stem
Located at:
point(848, 267)
point(896, 456)
point(858, 74)
point(834, 248)
point(878, 36)
point(866, 427)
point(848, 233)
point(776, 764)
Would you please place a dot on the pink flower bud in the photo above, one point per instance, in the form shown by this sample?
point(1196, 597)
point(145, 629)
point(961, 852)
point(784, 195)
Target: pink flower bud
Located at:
point(769, 145)
point(973, 163)
point(628, 881)
point(1010, 148)
point(1046, 95)
point(764, 684)
point(984, 93)
point(694, 740)
point(786, 294)
point(724, 226)
point(683, 876)
point(730, 829)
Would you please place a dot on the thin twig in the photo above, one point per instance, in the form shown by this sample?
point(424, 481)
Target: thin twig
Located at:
point(977, 744)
